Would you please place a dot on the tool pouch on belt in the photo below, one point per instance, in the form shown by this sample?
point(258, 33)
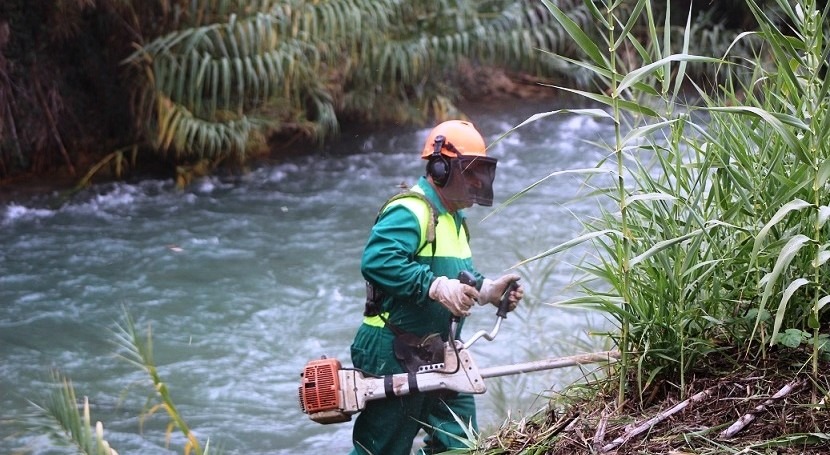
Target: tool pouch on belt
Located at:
point(411, 350)
point(414, 352)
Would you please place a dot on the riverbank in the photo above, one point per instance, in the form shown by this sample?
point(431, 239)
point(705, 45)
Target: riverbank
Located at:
point(483, 97)
point(752, 406)
point(588, 418)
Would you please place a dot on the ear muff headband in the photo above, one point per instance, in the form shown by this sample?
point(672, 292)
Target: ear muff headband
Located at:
point(438, 166)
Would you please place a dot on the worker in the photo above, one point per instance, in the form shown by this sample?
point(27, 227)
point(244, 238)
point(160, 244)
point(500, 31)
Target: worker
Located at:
point(411, 263)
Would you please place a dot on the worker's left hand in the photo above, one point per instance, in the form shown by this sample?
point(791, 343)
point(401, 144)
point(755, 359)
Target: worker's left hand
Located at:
point(492, 290)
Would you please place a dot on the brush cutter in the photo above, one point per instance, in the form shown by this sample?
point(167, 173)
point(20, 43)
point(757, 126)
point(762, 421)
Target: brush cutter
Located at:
point(330, 393)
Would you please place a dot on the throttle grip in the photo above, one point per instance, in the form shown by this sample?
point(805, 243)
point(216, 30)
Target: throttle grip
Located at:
point(504, 304)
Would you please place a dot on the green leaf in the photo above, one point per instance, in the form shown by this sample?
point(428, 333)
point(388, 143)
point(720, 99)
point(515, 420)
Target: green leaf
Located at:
point(778, 121)
point(645, 130)
point(786, 256)
point(521, 193)
point(662, 245)
point(594, 113)
point(823, 214)
point(570, 244)
point(812, 321)
point(578, 35)
point(791, 338)
point(791, 206)
point(640, 74)
point(823, 173)
point(648, 197)
point(821, 257)
point(782, 305)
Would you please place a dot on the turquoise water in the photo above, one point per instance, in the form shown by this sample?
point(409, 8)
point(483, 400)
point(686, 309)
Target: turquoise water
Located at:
point(243, 281)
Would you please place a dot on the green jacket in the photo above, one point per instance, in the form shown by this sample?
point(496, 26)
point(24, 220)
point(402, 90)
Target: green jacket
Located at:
point(402, 262)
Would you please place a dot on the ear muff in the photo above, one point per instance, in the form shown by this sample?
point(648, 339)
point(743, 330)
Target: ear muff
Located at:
point(438, 166)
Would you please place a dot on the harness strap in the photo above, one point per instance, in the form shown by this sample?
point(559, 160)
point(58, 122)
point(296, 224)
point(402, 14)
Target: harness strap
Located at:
point(431, 222)
point(382, 320)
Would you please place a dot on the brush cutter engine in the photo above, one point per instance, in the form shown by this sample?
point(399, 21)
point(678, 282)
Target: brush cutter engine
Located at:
point(330, 393)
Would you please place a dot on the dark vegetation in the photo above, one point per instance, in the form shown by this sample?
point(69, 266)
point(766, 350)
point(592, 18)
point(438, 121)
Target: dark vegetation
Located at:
point(115, 89)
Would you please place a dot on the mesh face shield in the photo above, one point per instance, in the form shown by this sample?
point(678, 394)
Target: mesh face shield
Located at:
point(471, 180)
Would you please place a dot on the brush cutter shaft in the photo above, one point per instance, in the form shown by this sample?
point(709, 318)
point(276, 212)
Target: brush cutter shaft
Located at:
point(549, 364)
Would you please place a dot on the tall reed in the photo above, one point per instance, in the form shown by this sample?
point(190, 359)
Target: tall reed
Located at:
point(716, 206)
point(635, 275)
point(780, 175)
point(60, 417)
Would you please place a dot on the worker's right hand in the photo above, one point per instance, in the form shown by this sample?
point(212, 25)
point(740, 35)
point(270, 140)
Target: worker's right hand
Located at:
point(453, 294)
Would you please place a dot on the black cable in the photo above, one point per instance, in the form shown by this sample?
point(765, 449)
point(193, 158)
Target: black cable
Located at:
point(454, 349)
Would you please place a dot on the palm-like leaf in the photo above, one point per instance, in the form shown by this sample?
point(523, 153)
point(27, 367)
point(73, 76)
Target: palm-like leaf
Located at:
point(61, 418)
point(206, 85)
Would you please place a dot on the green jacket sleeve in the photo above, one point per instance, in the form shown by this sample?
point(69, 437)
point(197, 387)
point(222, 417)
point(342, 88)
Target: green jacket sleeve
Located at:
point(389, 257)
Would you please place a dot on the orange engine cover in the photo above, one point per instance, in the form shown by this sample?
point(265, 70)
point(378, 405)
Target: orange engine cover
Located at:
point(320, 386)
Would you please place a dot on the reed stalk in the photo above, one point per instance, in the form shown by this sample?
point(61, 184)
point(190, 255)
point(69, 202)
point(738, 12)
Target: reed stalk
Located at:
point(139, 352)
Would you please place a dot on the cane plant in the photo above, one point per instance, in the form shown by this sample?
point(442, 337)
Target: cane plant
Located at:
point(650, 238)
point(788, 161)
point(139, 352)
point(712, 229)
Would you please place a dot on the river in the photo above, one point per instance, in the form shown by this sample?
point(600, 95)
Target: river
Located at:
point(244, 280)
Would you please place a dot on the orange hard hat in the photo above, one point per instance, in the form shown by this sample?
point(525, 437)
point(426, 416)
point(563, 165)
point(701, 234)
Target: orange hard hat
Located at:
point(460, 137)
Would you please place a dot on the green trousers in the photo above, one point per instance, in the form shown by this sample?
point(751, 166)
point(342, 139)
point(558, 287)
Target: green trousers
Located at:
point(389, 426)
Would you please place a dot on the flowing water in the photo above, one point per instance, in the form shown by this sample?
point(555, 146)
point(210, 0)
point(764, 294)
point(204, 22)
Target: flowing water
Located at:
point(243, 281)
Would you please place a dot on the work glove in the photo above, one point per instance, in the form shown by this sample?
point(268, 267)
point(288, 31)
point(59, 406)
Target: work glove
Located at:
point(453, 294)
point(492, 290)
